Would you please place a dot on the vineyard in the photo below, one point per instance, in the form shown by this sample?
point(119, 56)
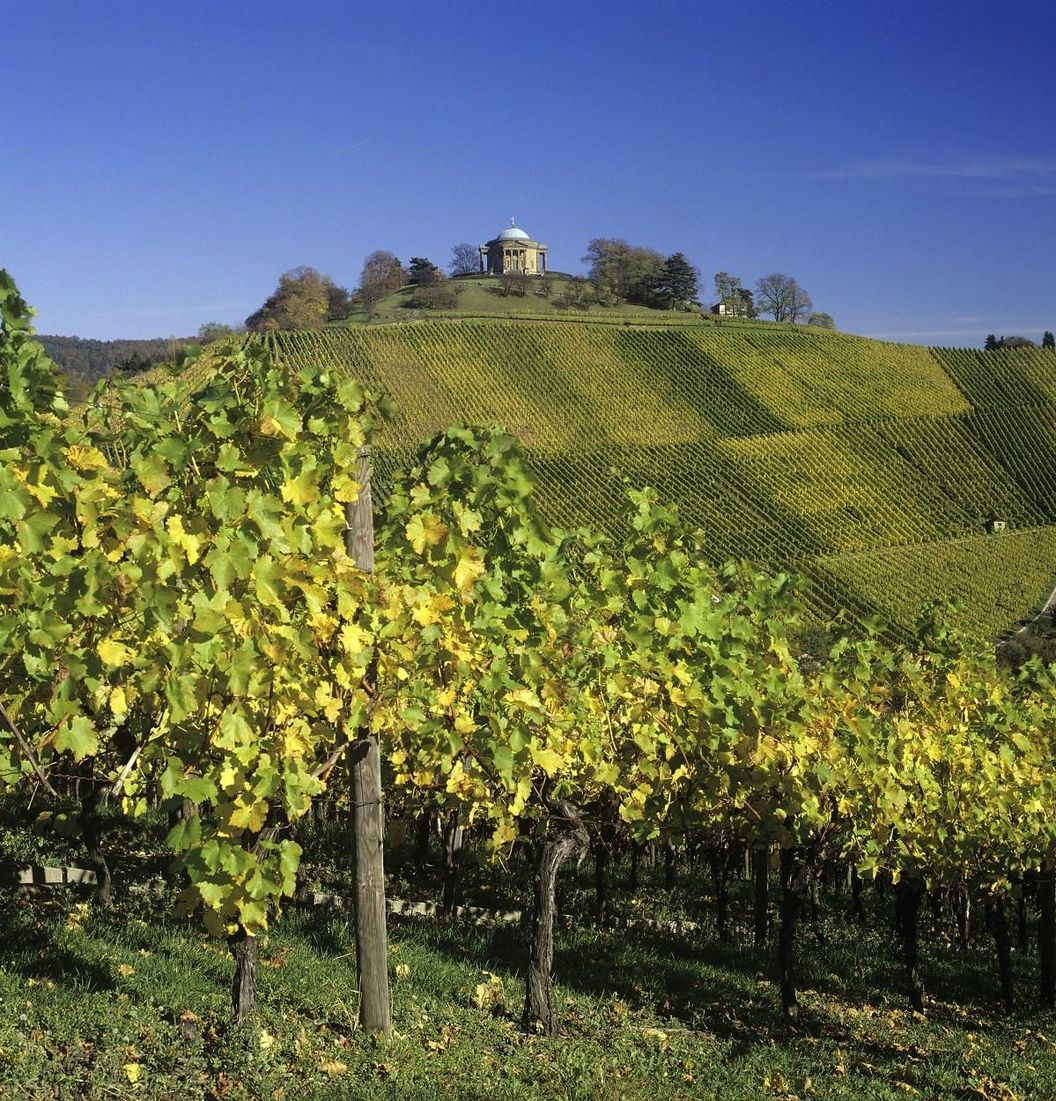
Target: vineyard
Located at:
point(265, 662)
point(803, 451)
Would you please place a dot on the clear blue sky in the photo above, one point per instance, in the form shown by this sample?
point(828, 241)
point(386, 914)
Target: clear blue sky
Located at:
point(164, 162)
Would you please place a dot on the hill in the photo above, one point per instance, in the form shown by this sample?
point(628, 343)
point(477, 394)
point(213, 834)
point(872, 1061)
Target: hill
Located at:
point(85, 361)
point(868, 468)
point(482, 296)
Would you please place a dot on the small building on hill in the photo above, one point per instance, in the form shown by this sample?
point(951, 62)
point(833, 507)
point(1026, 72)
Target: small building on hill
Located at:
point(513, 250)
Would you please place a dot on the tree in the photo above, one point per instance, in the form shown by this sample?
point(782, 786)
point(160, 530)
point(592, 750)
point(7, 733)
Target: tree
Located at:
point(465, 259)
point(421, 270)
point(303, 299)
point(1048, 340)
point(514, 282)
point(821, 320)
point(441, 295)
point(339, 303)
point(782, 296)
point(575, 296)
point(991, 343)
point(735, 299)
point(727, 289)
point(214, 330)
point(381, 275)
point(626, 272)
point(676, 282)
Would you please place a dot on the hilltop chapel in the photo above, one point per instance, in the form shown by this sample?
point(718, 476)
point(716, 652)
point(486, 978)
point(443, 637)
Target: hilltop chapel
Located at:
point(513, 250)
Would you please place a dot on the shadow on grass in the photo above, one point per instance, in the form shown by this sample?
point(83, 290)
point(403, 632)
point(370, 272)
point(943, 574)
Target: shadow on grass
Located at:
point(30, 949)
point(729, 988)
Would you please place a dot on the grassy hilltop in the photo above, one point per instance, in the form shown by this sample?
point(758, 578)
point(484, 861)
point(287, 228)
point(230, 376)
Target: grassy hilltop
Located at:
point(868, 468)
point(481, 296)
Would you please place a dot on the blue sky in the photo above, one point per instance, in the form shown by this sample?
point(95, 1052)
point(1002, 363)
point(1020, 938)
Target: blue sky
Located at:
point(164, 162)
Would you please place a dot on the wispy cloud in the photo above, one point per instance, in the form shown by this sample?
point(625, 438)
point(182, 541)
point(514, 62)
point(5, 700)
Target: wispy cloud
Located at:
point(1027, 175)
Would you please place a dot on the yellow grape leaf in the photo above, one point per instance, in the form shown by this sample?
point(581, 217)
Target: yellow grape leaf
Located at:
point(333, 1067)
point(125, 969)
point(465, 724)
point(43, 493)
point(549, 761)
point(118, 701)
point(113, 653)
point(190, 544)
point(133, 1072)
point(469, 568)
point(525, 697)
point(85, 458)
point(489, 993)
point(425, 531)
point(249, 816)
point(301, 490)
point(505, 834)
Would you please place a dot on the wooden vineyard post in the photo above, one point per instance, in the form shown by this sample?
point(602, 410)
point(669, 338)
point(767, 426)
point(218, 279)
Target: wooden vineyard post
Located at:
point(368, 809)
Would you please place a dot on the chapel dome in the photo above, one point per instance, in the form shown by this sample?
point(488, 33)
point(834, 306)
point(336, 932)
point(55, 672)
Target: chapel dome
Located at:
point(513, 233)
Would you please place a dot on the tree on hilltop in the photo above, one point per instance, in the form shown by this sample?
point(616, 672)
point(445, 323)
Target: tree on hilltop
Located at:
point(421, 270)
point(303, 299)
point(780, 295)
point(990, 344)
point(734, 298)
point(821, 321)
point(381, 275)
point(626, 273)
point(465, 259)
point(676, 282)
point(214, 330)
point(1048, 341)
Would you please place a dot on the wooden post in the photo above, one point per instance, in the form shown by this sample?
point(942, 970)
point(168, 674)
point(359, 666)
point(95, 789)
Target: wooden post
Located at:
point(368, 809)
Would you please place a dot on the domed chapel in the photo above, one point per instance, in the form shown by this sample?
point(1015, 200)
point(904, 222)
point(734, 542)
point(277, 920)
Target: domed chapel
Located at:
point(513, 250)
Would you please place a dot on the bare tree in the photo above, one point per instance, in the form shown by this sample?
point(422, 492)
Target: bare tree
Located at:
point(514, 282)
point(782, 296)
point(465, 259)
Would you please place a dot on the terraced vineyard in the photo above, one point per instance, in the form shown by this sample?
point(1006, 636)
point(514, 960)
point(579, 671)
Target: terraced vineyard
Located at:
point(868, 468)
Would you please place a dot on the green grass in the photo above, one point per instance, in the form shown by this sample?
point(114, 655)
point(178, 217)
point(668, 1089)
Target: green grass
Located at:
point(89, 999)
point(481, 296)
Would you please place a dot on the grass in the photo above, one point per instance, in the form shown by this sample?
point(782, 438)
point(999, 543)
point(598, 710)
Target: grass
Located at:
point(481, 296)
point(134, 1004)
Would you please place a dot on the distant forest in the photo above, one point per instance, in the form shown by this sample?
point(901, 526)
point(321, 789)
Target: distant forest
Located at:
point(85, 362)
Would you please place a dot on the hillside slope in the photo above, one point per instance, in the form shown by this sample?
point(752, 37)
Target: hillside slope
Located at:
point(868, 468)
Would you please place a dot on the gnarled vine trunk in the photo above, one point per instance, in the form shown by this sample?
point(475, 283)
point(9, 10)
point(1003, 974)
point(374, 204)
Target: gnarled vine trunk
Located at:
point(908, 893)
point(244, 983)
point(454, 856)
point(92, 830)
point(566, 838)
point(997, 923)
point(795, 887)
